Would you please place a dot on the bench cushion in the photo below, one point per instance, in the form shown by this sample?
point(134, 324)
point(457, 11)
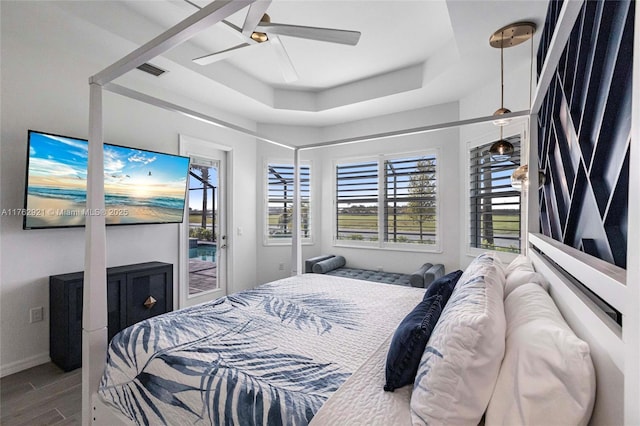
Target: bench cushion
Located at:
point(376, 276)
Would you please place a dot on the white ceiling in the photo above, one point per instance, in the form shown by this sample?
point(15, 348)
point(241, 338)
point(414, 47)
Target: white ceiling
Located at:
point(411, 54)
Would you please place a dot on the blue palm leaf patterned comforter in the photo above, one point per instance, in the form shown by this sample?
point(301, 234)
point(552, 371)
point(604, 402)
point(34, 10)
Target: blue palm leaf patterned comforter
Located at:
point(267, 356)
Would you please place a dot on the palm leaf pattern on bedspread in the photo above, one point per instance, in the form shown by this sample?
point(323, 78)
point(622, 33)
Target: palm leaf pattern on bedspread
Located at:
point(231, 361)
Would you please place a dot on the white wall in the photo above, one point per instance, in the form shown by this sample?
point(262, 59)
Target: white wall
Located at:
point(44, 87)
point(272, 257)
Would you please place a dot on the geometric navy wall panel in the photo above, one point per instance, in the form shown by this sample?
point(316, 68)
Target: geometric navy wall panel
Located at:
point(584, 131)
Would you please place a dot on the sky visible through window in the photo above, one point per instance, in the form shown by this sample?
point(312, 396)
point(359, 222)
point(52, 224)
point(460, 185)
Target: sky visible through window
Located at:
point(195, 197)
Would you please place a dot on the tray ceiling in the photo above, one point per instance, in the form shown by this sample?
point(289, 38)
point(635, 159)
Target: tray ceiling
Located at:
point(411, 54)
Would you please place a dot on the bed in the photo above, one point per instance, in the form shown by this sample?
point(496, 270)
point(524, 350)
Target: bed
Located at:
point(315, 349)
point(612, 350)
point(277, 352)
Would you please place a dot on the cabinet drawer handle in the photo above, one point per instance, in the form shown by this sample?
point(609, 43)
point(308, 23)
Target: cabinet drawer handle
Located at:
point(150, 302)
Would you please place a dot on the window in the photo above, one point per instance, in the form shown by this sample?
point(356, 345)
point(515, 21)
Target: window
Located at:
point(357, 201)
point(387, 202)
point(280, 201)
point(495, 205)
point(410, 200)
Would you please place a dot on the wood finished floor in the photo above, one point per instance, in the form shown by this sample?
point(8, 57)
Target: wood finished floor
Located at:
point(42, 395)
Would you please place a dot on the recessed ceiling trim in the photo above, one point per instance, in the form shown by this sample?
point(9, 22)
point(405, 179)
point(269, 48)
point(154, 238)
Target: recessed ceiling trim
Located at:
point(379, 86)
point(124, 91)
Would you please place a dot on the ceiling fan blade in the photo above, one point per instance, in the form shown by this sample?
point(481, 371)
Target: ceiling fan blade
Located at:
point(219, 56)
point(286, 66)
point(254, 16)
point(312, 33)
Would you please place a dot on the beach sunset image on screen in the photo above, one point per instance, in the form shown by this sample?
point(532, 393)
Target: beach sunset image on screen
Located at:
point(140, 186)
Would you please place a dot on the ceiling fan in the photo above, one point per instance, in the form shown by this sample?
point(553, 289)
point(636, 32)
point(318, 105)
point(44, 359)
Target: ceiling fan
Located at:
point(258, 29)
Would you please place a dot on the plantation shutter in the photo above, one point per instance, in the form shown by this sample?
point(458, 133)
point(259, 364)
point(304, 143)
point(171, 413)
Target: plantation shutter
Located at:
point(357, 201)
point(495, 205)
point(280, 200)
point(410, 200)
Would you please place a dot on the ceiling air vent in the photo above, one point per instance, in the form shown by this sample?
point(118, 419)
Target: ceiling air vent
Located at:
point(151, 69)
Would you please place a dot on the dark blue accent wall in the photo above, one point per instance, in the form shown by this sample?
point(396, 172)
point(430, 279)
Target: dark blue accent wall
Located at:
point(584, 131)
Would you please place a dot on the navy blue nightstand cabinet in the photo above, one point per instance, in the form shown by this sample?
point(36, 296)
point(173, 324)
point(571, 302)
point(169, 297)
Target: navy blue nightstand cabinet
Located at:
point(128, 289)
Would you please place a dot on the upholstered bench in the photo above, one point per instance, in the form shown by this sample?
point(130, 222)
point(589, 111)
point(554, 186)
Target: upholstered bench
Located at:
point(335, 265)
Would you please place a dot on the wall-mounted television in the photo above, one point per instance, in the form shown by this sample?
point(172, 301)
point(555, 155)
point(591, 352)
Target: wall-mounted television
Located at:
point(140, 187)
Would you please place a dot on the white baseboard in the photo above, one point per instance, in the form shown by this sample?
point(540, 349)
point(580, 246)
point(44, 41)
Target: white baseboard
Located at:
point(23, 364)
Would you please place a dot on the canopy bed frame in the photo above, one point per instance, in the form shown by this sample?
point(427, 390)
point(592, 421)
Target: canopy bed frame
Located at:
point(618, 381)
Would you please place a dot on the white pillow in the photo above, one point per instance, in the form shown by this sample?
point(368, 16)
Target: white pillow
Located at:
point(547, 374)
point(522, 276)
point(460, 364)
point(521, 262)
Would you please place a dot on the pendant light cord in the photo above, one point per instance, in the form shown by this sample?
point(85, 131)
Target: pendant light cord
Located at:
point(501, 77)
point(502, 71)
point(531, 73)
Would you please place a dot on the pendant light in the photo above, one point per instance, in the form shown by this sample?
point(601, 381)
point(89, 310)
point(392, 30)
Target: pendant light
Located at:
point(520, 178)
point(511, 35)
point(501, 150)
point(500, 121)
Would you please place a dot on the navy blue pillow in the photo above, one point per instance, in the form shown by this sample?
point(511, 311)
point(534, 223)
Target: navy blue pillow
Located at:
point(409, 341)
point(443, 286)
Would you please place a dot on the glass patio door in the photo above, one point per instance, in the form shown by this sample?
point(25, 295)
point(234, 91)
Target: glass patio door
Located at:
point(203, 229)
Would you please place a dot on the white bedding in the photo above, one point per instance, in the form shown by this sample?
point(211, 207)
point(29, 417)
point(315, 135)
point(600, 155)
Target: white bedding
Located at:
point(361, 400)
point(272, 355)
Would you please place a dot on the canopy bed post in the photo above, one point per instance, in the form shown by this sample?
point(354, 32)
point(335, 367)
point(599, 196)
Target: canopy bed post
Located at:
point(532, 219)
point(94, 304)
point(415, 130)
point(631, 329)
point(94, 321)
point(568, 16)
point(296, 241)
